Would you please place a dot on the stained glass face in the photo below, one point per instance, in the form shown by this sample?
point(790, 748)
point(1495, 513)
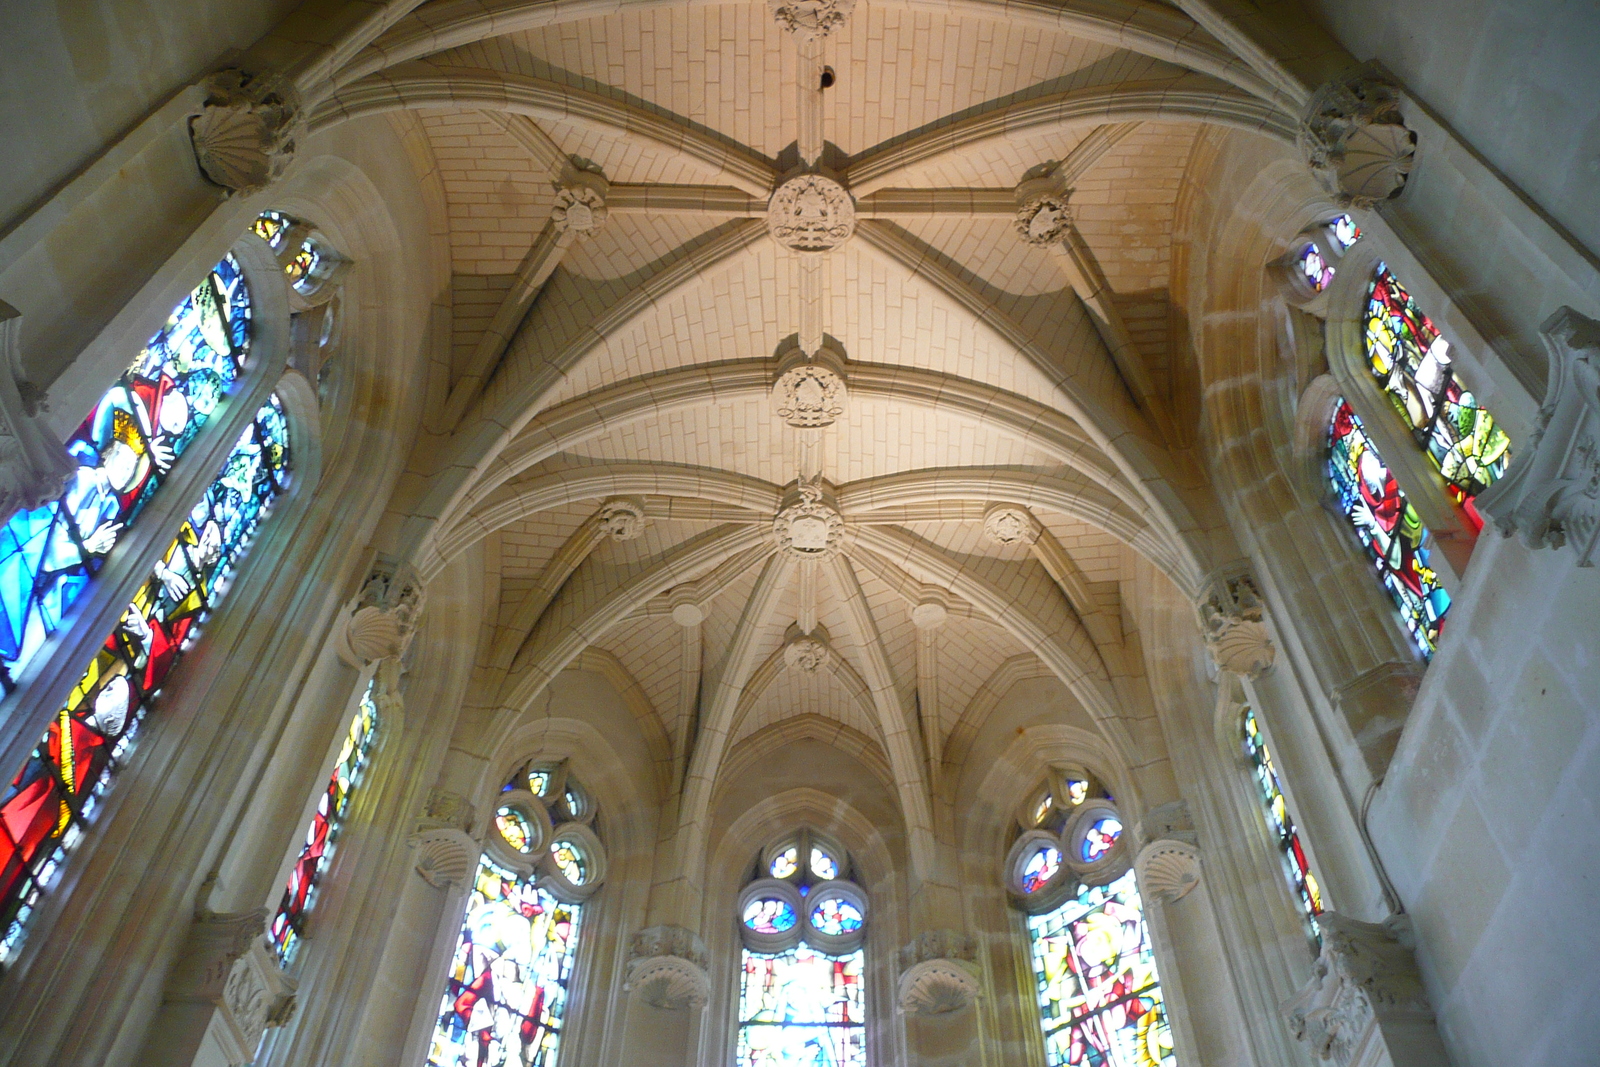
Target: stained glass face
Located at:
point(1280, 822)
point(800, 1008)
point(123, 450)
point(1315, 268)
point(1345, 232)
point(1389, 528)
point(1099, 995)
point(1410, 359)
point(823, 865)
point(836, 916)
point(58, 788)
point(288, 925)
point(569, 861)
point(1040, 868)
point(769, 915)
point(785, 863)
point(506, 995)
point(1100, 838)
point(514, 828)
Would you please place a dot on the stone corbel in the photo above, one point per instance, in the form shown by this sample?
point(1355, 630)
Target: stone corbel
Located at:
point(667, 968)
point(34, 467)
point(256, 997)
point(385, 616)
point(446, 857)
point(1232, 616)
point(245, 136)
point(1168, 865)
point(940, 975)
point(1355, 140)
point(1364, 1005)
point(1551, 493)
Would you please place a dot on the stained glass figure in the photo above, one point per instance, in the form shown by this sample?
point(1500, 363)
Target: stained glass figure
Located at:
point(1100, 838)
point(1410, 359)
point(515, 828)
point(538, 782)
point(288, 925)
point(1388, 526)
point(835, 916)
point(1040, 868)
point(123, 449)
point(785, 863)
point(1077, 791)
point(1281, 823)
point(801, 1008)
point(280, 231)
point(1316, 269)
point(1099, 994)
point(1344, 231)
point(769, 915)
point(1042, 808)
point(59, 787)
point(569, 860)
point(823, 865)
point(506, 995)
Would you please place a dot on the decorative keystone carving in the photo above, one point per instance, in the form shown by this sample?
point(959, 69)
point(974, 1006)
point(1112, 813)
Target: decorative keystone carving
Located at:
point(34, 467)
point(938, 987)
point(1168, 869)
point(1364, 1002)
point(805, 651)
point(1044, 216)
point(444, 810)
point(257, 996)
point(385, 616)
point(622, 518)
point(666, 966)
point(580, 207)
point(811, 213)
point(811, 393)
point(808, 525)
point(446, 857)
point(1551, 493)
point(1355, 140)
point(1010, 526)
point(1233, 623)
point(810, 20)
point(245, 137)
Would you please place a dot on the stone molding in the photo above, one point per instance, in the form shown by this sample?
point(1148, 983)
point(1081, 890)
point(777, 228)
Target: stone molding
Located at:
point(1364, 1004)
point(1232, 616)
point(810, 391)
point(1551, 493)
point(580, 206)
point(667, 968)
point(938, 987)
point(385, 616)
point(1011, 526)
point(622, 518)
point(446, 857)
point(811, 213)
point(810, 20)
point(1355, 140)
point(256, 997)
point(244, 137)
point(1170, 821)
point(34, 467)
point(1168, 869)
point(808, 525)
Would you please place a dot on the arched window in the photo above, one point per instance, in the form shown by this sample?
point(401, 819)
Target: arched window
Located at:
point(1280, 822)
point(288, 925)
point(803, 922)
point(1069, 869)
point(505, 1000)
point(56, 792)
point(1387, 526)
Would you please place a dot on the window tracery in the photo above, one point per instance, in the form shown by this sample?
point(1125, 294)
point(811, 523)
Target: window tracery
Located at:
point(800, 997)
point(1298, 867)
point(505, 999)
point(1069, 869)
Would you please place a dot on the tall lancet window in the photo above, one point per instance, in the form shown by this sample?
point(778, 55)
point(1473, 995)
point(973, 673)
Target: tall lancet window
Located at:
point(1296, 864)
point(56, 792)
point(1100, 1001)
point(803, 920)
point(506, 996)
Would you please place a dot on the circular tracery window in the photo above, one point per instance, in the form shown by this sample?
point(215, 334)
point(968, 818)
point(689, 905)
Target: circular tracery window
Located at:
point(770, 915)
point(515, 828)
point(1100, 838)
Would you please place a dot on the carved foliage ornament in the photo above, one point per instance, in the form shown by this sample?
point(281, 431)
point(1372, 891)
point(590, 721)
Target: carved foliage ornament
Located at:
point(1355, 140)
point(245, 137)
point(938, 987)
point(1551, 493)
point(1043, 216)
point(257, 996)
point(811, 19)
point(811, 213)
point(1233, 622)
point(805, 653)
point(808, 526)
point(666, 967)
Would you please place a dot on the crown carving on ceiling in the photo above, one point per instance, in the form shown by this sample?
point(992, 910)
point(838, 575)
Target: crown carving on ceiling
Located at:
point(1355, 140)
point(808, 525)
point(810, 20)
point(580, 207)
point(1010, 526)
point(245, 136)
point(1043, 214)
point(811, 213)
point(810, 390)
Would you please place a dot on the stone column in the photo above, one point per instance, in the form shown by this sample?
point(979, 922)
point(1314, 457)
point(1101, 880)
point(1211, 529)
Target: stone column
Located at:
point(939, 981)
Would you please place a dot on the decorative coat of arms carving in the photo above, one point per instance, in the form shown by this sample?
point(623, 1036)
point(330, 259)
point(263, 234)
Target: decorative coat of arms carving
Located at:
point(811, 213)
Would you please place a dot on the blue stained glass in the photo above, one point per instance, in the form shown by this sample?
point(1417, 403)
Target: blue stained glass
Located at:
point(124, 449)
point(836, 916)
point(1100, 839)
point(769, 915)
point(801, 1008)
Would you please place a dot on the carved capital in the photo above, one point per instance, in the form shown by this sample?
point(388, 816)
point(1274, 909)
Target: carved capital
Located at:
point(580, 207)
point(385, 616)
point(1010, 526)
point(215, 941)
point(256, 997)
point(1044, 216)
point(810, 20)
point(34, 467)
point(1232, 618)
point(1355, 140)
point(938, 987)
point(1551, 493)
point(622, 518)
point(446, 857)
point(811, 213)
point(808, 525)
point(1365, 1002)
point(666, 967)
point(244, 138)
point(1171, 822)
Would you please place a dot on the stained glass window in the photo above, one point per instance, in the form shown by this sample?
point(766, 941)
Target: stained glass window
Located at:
point(786, 862)
point(1388, 526)
point(1410, 359)
point(1280, 822)
point(835, 916)
point(506, 996)
point(801, 1008)
point(1315, 268)
point(1040, 868)
point(288, 925)
point(569, 859)
point(1344, 232)
point(57, 790)
point(1099, 994)
point(769, 915)
point(1100, 838)
point(515, 828)
point(823, 865)
point(123, 449)
point(279, 230)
